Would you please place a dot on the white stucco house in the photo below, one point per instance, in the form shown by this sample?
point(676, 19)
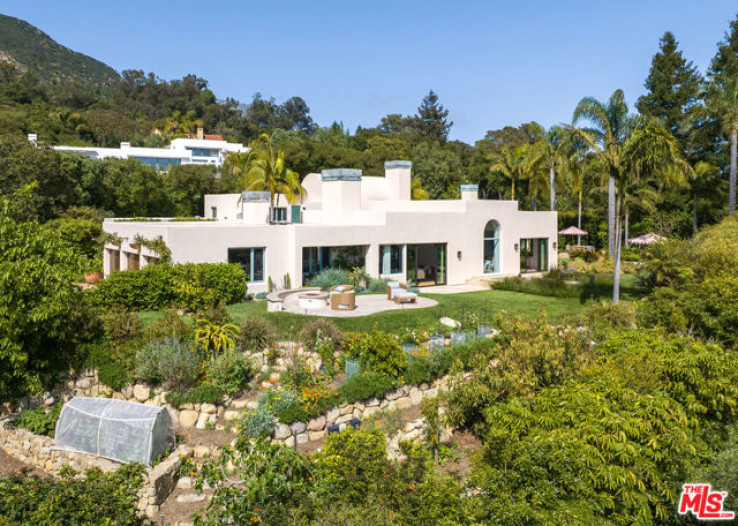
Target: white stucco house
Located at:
point(352, 220)
point(201, 149)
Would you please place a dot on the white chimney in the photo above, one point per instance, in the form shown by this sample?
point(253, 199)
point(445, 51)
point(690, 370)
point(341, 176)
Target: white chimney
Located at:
point(469, 192)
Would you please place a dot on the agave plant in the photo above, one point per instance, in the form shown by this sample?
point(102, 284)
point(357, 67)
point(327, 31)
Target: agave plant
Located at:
point(213, 338)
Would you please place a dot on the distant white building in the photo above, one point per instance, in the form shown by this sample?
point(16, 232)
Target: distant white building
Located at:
point(350, 220)
point(203, 150)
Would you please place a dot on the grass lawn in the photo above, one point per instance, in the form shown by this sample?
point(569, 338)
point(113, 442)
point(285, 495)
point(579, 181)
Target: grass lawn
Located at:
point(486, 304)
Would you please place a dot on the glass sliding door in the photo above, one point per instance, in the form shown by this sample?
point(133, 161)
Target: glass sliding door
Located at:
point(411, 264)
point(441, 264)
point(426, 264)
point(534, 255)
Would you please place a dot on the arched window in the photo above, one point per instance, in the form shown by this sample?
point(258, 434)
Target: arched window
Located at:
point(491, 247)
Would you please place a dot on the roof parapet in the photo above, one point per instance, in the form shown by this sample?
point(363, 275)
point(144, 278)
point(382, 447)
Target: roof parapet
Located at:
point(341, 174)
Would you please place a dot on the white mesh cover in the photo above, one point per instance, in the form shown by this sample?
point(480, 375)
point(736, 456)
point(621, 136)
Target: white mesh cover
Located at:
point(114, 429)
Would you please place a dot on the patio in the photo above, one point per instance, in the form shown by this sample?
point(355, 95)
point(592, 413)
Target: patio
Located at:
point(365, 304)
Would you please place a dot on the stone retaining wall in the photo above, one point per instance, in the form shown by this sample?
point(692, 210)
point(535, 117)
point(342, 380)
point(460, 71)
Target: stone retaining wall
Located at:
point(37, 451)
point(317, 428)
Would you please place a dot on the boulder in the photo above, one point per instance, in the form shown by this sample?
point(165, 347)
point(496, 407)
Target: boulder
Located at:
point(316, 424)
point(347, 409)
point(231, 415)
point(191, 497)
point(141, 392)
point(316, 435)
point(282, 431)
point(188, 418)
point(302, 439)
point(332, 415)
point(404, 403)
point(83, 383)
point(208, 408)
point(298, 427)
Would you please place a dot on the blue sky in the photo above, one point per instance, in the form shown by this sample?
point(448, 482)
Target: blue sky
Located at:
point(492, 63)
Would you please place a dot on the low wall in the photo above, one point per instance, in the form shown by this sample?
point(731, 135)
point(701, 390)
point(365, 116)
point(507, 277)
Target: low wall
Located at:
point(317, 428)
point(36, 450)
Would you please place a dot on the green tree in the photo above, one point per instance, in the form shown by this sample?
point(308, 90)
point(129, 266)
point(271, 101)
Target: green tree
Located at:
point(267, 171)
point(431, 121)
point(674, 87)
point(722, 100)
point(630, 151)
point(43, 315)
point(511, 163)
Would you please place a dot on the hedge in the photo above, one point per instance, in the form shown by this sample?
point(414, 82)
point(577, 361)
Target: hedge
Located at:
point(183, 286)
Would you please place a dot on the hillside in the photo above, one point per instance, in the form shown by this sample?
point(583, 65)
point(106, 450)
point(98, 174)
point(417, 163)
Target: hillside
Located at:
point(29, 48)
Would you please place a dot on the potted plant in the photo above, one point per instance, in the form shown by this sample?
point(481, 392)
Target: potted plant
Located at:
point(94, 271)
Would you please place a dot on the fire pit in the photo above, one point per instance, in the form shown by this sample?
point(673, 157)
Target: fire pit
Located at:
point(313, 300)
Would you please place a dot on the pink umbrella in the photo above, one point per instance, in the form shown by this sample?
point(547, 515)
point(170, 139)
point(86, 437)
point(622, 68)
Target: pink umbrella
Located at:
point(646, 239)
point(572, 231)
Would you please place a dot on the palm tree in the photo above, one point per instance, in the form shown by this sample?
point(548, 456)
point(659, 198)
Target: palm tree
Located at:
point(267, 172)
point(510, 162)
point(535, 166)
point(610, 124)
point(577, 168)
point(554, 147)
point(630, 150)
point(723, 101)
point(704, 174)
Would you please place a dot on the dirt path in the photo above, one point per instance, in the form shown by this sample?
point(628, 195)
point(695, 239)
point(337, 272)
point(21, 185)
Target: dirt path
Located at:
point(9, 464)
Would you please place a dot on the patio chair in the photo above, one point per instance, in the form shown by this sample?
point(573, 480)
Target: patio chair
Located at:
point(343, 297)
point(398, 293)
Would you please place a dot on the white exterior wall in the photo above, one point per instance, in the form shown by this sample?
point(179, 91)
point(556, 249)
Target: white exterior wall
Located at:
point(340, 213)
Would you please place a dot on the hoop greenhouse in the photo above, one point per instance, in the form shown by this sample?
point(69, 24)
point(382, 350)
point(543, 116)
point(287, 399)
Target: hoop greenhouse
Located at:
point(114, 429)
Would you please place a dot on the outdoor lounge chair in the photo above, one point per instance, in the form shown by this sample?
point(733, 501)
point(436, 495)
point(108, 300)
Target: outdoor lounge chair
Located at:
point(398, 293)
point(343, 297)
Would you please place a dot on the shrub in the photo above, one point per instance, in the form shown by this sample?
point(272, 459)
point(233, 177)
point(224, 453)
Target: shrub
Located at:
point(277, 400)
point(95, 498)
point(586, 255)
point(328, 278)
point(171, 326)
point(366, 385)
point(214, 313)
point(231, 371)
point(173, 363)
point(665, 264)
point(378, 351)
point(377, 286)
point(257, 423)
point(186, 286)
point(321, 329)
point(620, 315)
point(257, 334)
point(122, 325)
point(39, 421)
point(200, 394)
point(113, 375)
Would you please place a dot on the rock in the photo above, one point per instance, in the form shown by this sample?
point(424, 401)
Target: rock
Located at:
point(344, 418)
point(231, 415)
point(416, 396)
point(358, 413)
point(302, 439)
point(191, 497)
point(184, 483)
point(332, 415)
point(298, 427)
point(369, 411)
point(372, 402)
point(347, 409)
point(282, 431)
point(208, 408)
point(202, 420)
point(240, 404)
point(430, 393)
point(188, 418)
point(83, 383)
point(404, 403)
point(316, 435)
point(316, 424)
point(189, 406)
point(201, 451)
point(359, 406)
point(141, 392)
point(393, 395)
point(289, 441)
point(449, 322)
point(221, 411)
point(118, 396)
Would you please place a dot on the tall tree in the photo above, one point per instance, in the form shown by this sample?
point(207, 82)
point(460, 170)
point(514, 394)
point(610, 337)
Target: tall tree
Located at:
point(609, 128)
point(431, 120)
point(674, 86)
point(631, 150)
point(722, 99)
point(510, 162)
point(553, 148)
point(268, 172)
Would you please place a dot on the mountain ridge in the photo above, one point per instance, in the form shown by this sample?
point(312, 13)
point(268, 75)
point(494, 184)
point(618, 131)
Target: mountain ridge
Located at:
point(27, 48)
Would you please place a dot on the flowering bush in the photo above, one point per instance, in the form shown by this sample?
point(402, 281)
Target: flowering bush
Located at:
point(257, 423)
point(378, 351)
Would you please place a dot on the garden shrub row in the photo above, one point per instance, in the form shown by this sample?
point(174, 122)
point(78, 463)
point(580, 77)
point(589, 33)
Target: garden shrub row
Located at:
point(288, 408)
point(184, 286)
